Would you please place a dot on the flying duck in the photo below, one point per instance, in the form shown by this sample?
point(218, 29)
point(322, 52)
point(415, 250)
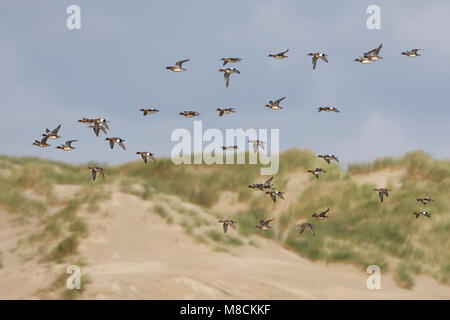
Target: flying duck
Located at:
point(425, 200)
point(225, 111)
point(177, 67)
point(146, 156)
point(43, 143)
point(422, 213)
point(67, 146)
point(273, 194)
point(227, 223)
point(307, 226)
point(149, 111)
point(227, 73)
point(94, 170)
point(119, 141)
point(413, 53)
point(328, 157)
point(328, 109)
point(52, 134)
point(280, 55)
point(382, 192)
point(321, 215)
point(233, 148)
point(262, 186)
point(316, 56)
point(189, 114)
point(316, 172)
point(257, 144)
point(264, 224)
point(275, 105)
point(230, 60)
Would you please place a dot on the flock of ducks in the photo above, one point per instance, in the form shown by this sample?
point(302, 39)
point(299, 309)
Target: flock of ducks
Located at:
point(101, 125)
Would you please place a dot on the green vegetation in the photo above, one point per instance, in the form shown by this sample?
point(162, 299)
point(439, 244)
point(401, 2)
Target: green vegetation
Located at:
point(360, 231)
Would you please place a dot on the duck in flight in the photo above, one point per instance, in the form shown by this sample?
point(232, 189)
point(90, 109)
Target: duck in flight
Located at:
point(275, 105)
point(425, 200)
point(149, 111)
point(307, 226)
point(227, 223)
point(94, 171)
point(328, 157)
point(225, 111)
point(232, 148)
point(230, 60)
point(322, 215)
point(316, 56)
point(264, 224)
point(273, 194)
point(262, 186)
point(177, 67)
point(257, 144)
point(382, 192)
point(42, 144)
point(67, 146)
point(412, 53)
point(328, 109)
point(422, 213)
point(226, 74)
point(113, 140)
point(280, 55)
point(316, 172)
point(146, 156)
point(52, 134)
point(374, 54)
point(189, 114)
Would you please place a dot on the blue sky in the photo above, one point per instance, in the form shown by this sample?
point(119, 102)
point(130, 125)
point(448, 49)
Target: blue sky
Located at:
point(115, 64)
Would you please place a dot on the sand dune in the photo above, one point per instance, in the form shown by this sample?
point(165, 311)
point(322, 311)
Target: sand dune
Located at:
point(140, 256)
point(164, 248)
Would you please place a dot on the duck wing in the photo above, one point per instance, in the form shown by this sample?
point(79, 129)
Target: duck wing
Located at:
point(121, 145)
point(267, 183)
point(314, 62)
point(226, 76)
point(55, 131)
point(102, 172)
point(179, 63)
point(277, 102)
point(69, 143)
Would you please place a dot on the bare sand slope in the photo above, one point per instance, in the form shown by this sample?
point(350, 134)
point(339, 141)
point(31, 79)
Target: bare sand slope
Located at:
point(20, 275)
point(132, 253)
